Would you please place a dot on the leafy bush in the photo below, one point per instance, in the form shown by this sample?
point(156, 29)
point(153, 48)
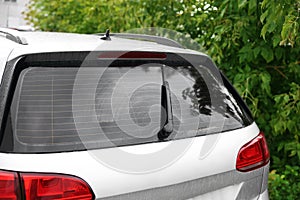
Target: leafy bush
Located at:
point(286, 184)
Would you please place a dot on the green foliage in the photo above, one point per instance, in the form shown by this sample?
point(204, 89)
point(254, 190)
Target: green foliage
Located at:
point(281, 18)
point(255, 42)
point(286, 184)
point(93, 16)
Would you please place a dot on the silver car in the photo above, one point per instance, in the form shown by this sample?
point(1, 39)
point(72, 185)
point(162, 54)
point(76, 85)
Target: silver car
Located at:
point(122, 116)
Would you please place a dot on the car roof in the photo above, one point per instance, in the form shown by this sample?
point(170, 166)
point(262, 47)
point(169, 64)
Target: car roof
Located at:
point(43, 42)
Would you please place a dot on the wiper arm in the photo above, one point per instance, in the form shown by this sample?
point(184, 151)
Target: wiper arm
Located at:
point(167, 125)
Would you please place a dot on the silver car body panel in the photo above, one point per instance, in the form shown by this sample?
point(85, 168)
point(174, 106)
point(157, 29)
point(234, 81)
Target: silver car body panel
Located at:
point(228, 185)
point(61, 42)
point(6, 47)
point(46, 42)
point(201, 171)
point(192, 174)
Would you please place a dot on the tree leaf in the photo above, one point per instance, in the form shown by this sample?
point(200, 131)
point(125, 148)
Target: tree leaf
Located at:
point(267, 54)
point(276, 40)
point(256, 51)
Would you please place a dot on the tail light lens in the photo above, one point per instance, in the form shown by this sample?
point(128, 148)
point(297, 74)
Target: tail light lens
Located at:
point(253, 155)
point(43, 186)
point(55, 187)
point(9, 185)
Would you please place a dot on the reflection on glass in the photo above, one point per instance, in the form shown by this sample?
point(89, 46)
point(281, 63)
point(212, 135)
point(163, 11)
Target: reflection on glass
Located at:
point(204, 101)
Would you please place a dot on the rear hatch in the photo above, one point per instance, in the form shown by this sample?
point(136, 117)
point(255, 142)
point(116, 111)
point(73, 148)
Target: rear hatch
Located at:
point(133, 125)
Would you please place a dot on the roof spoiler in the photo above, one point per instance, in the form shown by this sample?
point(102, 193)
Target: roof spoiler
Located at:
point(152, 38)
point(13, 36)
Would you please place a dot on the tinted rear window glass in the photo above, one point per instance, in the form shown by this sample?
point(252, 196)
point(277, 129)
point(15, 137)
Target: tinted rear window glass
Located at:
point(201, 103)
point(71, 108)
point(62, 106)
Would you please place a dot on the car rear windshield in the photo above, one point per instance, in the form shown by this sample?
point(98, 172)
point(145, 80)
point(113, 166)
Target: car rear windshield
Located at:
point(59, 104)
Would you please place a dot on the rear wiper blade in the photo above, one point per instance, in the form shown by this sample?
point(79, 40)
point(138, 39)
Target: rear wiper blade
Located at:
point(167, 125)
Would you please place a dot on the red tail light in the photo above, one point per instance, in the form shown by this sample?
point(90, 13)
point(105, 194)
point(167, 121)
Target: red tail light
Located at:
point(55, 187)
point(43, 186)
point(9, 185)
point(253, 155)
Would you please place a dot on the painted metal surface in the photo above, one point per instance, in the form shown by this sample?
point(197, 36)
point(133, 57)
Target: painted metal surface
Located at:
point(190, 175)
point(6, 47)
point(228, 185)
point(61, 42)
point(107, 180)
